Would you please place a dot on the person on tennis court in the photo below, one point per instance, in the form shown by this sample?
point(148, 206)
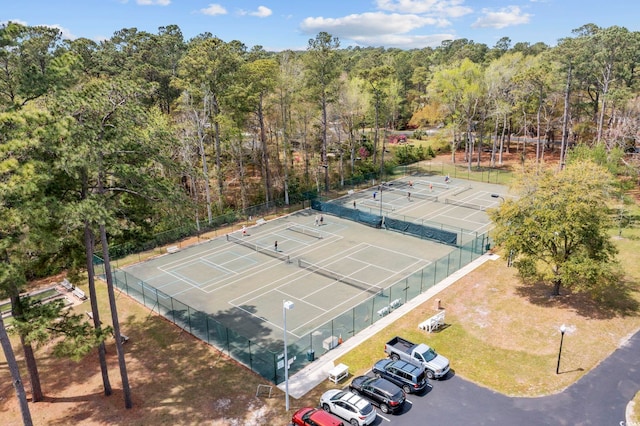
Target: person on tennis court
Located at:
point(275, 245)
point(430, 187)
point(321, 220)
point(374, 195)
point(317, 220)
point(244, 231)
point(409, 196)
point(447, 179)
point(354, 204)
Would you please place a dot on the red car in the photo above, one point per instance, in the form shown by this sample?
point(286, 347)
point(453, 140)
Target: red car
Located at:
point(314, 417)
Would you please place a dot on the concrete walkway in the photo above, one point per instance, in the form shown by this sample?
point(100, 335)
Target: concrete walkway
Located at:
point(318, 371)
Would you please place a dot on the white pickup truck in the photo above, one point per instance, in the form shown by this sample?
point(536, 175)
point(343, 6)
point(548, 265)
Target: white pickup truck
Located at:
point(436, 366)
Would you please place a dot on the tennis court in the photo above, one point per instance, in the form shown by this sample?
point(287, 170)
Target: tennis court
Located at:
point(242, 279)
point(453, 205)
point(341, 271)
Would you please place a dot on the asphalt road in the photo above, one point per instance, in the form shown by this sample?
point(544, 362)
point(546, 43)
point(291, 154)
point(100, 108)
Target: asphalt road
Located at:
point(599, 398)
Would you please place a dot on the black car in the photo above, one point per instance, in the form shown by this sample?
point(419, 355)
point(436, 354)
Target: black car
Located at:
point(411, 378)
point(380, 392)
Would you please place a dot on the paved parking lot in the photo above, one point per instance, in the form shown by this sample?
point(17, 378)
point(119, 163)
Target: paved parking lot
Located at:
point(599, 398)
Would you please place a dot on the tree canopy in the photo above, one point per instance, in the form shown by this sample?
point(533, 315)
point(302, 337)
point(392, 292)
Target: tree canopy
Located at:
point(555, 229)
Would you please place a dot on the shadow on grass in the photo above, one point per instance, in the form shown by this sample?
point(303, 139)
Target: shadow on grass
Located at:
point(575, 370)
point(617, 301)
point(171, 373)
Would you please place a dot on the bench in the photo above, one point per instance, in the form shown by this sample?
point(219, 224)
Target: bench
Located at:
point(89, 314)
point(66, 284)
point(433, 323)
point(79, 294)
point(338, 373)
point(173, 249)
point(123, 338)
point(395, 304)
point(384, 311)
point(260, 221)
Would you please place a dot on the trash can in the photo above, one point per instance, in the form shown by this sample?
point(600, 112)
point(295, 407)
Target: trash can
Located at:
point(311, 355)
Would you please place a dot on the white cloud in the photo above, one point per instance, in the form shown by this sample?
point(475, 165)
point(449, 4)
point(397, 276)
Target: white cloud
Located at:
point(404, 41)
point(368, 24)
point(505, 17)
point(154, 2)
point(15, 21)
point(445, 8)
point(214, 9)
point(262, 12)
point(66, 33)
point(397, 23)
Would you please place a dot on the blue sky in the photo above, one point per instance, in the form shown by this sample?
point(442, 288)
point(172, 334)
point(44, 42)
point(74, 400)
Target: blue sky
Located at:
point(289, 24)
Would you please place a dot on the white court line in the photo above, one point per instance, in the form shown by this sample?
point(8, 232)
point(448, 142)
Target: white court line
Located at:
point(218, 266)
point(324, 311)
point(347, 301)
point(287, 279)
point(259, 269)
point(180, 278)
point(193, 256)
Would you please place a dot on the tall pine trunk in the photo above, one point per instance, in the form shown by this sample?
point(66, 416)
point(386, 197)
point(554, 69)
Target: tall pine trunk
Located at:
point(89, 244)
point(265, 154)
point(565, 117)
point(112, 302)
point(114, 318)
point(15, 375)
point(30, 359)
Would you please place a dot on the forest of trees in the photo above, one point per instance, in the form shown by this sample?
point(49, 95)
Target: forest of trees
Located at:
point(121, 139)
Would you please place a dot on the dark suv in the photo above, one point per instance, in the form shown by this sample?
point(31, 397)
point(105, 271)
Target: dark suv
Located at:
point(380, 392)
point(409, 377)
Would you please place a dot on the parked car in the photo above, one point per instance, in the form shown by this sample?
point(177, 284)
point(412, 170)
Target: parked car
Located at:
point(436, 365)
point(309, 416)
point(351, 407)
point(410, 377)
point(382, 393)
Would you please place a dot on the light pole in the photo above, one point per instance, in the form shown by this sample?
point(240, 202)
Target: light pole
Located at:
point(497, 196)
point(562, 330)
point(381, 198)
point(286, 305)
point(382, 180)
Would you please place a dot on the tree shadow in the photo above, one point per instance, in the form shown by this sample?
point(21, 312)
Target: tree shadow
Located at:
point(234, 326)
point(609, 303)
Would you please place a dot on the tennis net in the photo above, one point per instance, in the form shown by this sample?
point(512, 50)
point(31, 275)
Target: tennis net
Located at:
point(465, 204)
point(304, 230)
point(373, 289)
point(420, 195)
point(259, 249)
point(423, 196)
point(378, 205)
